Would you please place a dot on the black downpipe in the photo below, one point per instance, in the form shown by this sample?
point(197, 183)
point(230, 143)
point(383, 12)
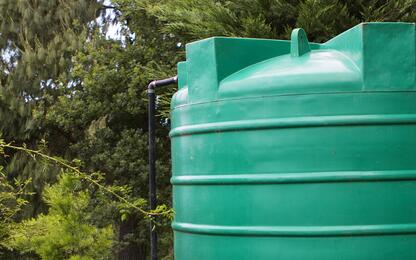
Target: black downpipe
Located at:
point(152, 154)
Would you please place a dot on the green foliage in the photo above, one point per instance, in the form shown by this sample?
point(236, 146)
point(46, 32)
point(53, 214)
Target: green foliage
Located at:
point(110, 136)
point(78, 208)
point(121, 193)
point(388, 11)
point(66, 232)
point(41, 35)
point(324, 19)
point(220, 18)
point(11, 202)
point(196, 19)
point(105, 115)
point(12, 199)
point(38, 40)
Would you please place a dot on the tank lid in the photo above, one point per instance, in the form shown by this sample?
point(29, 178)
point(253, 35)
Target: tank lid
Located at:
point(367, 57)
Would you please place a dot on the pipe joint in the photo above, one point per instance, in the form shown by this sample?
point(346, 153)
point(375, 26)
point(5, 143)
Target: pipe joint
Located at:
point(160, 83)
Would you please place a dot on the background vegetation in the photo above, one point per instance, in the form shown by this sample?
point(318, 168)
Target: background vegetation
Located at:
point(74, 91)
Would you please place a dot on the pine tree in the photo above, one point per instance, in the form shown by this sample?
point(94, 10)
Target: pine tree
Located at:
point(196, 19)
point(38, 39)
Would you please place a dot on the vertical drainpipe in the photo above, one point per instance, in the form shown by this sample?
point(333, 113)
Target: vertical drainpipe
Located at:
point(152, 154)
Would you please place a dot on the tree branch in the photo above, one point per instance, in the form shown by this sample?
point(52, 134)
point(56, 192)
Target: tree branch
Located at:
point(109, 7)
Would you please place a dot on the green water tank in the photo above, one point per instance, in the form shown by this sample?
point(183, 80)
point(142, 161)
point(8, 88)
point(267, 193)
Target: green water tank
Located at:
point(296, 150)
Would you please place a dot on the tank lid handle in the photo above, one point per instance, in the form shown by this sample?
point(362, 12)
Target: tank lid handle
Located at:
point(299, 43)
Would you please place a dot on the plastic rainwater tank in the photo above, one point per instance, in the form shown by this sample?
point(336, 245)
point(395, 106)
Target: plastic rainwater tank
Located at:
point(296, 150)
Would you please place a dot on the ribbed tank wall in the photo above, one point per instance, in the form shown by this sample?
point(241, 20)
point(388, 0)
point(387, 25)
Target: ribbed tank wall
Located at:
point(322, 169)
